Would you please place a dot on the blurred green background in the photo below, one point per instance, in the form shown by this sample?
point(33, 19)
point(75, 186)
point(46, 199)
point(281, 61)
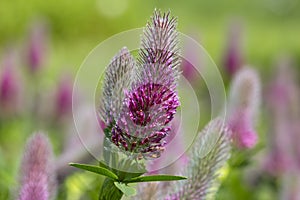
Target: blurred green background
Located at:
point(270, 28)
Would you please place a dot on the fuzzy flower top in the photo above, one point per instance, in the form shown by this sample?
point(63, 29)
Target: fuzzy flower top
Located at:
point(139, 97)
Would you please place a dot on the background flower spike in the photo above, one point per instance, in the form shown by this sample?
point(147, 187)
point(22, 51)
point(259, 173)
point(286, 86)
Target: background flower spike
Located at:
point(243, 107)
point(202, 171)
point(38, 181)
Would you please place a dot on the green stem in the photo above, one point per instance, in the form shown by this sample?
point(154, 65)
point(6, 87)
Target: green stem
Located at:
point(109, 191)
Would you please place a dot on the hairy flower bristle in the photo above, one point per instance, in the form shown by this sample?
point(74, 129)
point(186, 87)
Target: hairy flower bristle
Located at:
point(118, 78)
point(202, 169)
point(158, 58)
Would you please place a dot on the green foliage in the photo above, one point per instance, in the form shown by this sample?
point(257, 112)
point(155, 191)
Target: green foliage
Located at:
point(96, 169)
point(127, 190)
point(161, 177)
point(115, 186)
point(109, 191)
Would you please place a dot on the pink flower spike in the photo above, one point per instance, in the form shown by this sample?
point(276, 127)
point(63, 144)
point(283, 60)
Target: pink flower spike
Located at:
point(37, 44)
point(233, 59)
point(10, 86)
point(64, 97)
point(37, 170)
point(243, 107)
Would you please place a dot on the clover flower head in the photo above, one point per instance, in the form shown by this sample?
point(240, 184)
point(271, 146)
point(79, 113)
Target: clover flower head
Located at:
point(140, 98)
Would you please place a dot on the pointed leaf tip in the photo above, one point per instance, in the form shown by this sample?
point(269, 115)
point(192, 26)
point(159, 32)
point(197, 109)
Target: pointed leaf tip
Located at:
point(96, 169)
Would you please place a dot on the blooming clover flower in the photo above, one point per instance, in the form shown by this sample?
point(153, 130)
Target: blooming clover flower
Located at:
point(140, 98)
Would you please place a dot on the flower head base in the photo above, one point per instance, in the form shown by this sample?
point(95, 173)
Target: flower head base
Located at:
point(148, 100)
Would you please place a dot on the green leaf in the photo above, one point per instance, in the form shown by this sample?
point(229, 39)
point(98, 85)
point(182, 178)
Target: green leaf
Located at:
point(109, 191)
point(161, 177)
point(96, 169)
point(102, 164)
point(126, 175)
point(127, 190)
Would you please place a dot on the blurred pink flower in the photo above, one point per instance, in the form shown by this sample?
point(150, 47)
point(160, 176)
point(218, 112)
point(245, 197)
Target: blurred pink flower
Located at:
point(282, 98)
point(10, 87)
point(244, 135)
point(277, 162)
point(37, 170)
point(64, 97)
point(243, 105)
point(233, 58)
point(37, 44)
point(84, 136)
